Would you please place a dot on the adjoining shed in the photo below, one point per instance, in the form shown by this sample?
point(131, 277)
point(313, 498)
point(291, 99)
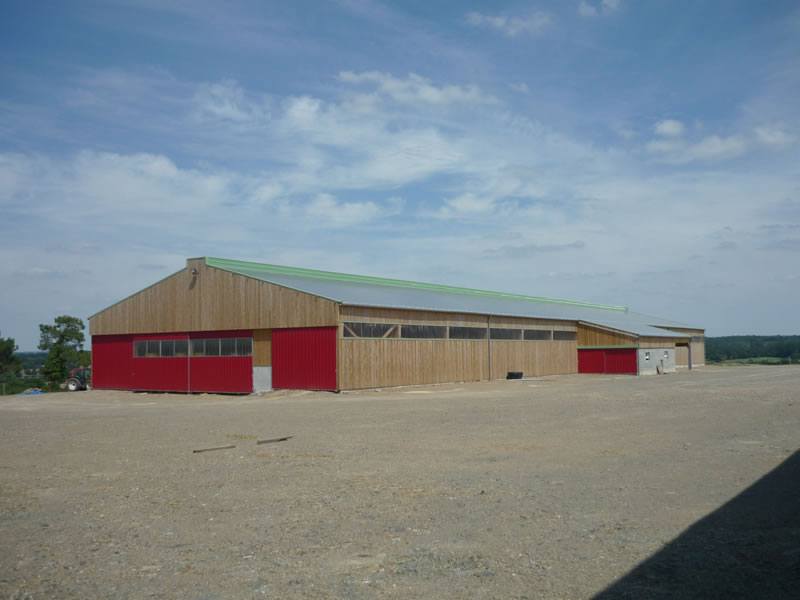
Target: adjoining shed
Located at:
point(221, 325)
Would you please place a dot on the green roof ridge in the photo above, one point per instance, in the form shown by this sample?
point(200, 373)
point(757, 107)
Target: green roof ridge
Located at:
point(235, 265)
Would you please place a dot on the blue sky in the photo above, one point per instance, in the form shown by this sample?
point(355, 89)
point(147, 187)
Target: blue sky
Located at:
point(637, 153)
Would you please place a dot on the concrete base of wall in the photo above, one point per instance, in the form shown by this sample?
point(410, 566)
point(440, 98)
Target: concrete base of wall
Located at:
point(262, 379)
point(655, 361)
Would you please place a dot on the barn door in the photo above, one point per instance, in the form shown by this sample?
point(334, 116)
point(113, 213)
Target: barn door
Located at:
point(304, 358)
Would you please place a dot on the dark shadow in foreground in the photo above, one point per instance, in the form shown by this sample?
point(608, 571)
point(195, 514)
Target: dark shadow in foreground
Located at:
point(747, 548)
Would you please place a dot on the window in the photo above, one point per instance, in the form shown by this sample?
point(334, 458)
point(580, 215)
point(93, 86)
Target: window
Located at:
point(565, 336)
point(198, 347)
point(368, 330)
point(212, 347)
point(647, 356)
point(244, 346)
point(227, 347)
point(666, 354)
point(505, 334)
point(423, 331)
point(468, 333)
point(538, 334)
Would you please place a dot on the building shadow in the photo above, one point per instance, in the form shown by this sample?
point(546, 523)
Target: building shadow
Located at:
point(747, 548)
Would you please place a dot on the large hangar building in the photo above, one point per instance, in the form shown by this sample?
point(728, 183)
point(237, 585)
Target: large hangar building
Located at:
point(230, 326)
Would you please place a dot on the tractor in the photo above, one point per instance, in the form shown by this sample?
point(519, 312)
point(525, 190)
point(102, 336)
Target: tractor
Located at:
point(79, 378)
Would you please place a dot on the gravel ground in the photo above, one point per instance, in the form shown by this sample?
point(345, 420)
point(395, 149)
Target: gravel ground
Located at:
point(555, 487)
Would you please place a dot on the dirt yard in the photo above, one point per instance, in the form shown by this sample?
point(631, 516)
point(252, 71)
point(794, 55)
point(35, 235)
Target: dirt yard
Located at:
point(549, 488)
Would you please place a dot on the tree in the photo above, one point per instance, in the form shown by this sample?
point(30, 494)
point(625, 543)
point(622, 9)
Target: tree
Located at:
point(63, 342)
point(9, 362)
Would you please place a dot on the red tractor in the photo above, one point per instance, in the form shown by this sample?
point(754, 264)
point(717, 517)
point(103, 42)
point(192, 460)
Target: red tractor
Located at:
point(80, 378)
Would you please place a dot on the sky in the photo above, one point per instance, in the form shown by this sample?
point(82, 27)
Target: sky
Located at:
point(637, 153)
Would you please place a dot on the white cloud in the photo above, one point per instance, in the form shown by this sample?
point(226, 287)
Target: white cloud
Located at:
point(520, 87)
point(466, 205)
point(715, 147)
point(327, 210)
point(533, 24)
point(669, 128)
point(587, 10)
point(708, 149)
point(311, 170)
point(226, 100)
point(605, 7)
point(774, 136)
point(417, 90)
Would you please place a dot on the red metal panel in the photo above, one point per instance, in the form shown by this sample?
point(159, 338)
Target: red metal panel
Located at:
point(163, 374)
point(607, 360)
point(112, 362)
point(115, 367)
point(304, 359)
point(226, 374)
point(591, 361)
point(621, 361)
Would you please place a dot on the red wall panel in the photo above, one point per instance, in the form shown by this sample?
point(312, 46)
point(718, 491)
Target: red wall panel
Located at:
point(227, 374)
point(608, 360)
point(304, 359)
point(591, 361)
point(112, 362)
point(621, 361)
point(115, 367)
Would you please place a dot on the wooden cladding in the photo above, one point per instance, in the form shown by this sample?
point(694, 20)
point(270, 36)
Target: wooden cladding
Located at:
point(656, 342)
point(370, 363)
point(595, 336)
point(468, 354)
point(534, 359)
point(262, 348)
point(211, 300)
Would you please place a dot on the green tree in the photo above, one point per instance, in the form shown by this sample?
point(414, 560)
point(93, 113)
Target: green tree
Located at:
point(9, 361)
point(63, 342)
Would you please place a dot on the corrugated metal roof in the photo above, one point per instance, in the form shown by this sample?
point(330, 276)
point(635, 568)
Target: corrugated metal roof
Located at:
point(360, 290)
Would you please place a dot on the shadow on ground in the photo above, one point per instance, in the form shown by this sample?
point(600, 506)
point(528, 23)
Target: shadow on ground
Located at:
point(747, 548)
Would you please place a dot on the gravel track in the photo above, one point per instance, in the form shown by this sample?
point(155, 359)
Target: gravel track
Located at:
point(548, 488)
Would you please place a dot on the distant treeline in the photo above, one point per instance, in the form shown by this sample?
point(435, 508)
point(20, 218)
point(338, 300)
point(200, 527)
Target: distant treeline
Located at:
point(739, 347)
point(32, 360)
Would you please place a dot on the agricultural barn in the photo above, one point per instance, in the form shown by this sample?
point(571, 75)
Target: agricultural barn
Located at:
point(231, 326)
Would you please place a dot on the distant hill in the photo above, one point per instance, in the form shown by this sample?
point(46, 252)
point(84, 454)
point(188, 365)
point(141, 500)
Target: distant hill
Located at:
point(32, 360)
point(774, 349)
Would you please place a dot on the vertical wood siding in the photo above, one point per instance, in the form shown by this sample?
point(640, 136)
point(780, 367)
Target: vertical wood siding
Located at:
point(594, 336)
point(369, 363)
point(262, 347)
point(212, 300)
point(533, 358)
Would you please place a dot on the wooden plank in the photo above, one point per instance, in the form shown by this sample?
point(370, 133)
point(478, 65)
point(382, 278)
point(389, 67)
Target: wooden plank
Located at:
point(533, 358)
point(380, 362)
point(656, 342)
point(595, 336)
point(212, 300)
point(262, 347)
